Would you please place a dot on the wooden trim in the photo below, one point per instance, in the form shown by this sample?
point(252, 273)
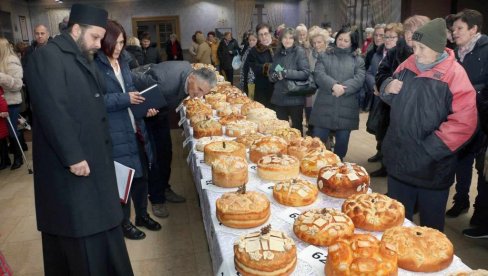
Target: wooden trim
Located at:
point(175, 18)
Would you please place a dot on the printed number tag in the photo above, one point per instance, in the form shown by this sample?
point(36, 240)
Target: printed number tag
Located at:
point(314, 256)
point(289, 215)
point(253, 167)
point(267, 188)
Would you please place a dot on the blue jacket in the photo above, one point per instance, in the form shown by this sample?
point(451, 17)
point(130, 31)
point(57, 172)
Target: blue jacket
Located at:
point(124, 143)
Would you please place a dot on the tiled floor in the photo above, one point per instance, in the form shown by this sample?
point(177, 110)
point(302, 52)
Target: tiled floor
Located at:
point(180, 248)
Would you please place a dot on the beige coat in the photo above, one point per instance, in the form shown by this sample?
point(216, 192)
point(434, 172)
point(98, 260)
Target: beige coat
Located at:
point(204, 52)
point(214, 45)
point(11, 81)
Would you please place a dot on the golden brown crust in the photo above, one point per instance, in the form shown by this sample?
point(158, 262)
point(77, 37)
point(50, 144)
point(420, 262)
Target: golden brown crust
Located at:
point(420, 249)
point(287, 133)
point(198, 118)
point(249, 106)
point(258, 254)
point(225, 120)
point(295, 192)
point(322, 227)
point(229, 171)
point(362, 254)
point(207, 128)
point(240, 127)
point(313, 161)
point(247, 210)
point(266, 146)
point(249, 138)
point(278, 167)
point(303, 145)
point(213, 98)
point(237, 99)
point(268, 126)
point(374, 212)
point(343, 180)
point(215, 149)
point(202, 142)
point(260, 114)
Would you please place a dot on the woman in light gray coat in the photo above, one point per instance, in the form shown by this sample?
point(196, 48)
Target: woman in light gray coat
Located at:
point(339, 74)
point(289, 63)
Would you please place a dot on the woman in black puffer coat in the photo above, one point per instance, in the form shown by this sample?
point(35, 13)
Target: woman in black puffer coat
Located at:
point(293, 61)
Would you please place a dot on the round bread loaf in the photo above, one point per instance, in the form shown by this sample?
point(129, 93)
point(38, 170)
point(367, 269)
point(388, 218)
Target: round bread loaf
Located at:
point(420, 249)
point(302, 146)
point(207, 128)
point(240, 127)
point(266, 146)
point(278, 167)
point(260, 114)
point(343, 180)
point(225, 120)
point(311, 163)
point(295, 192)
point(361, 255)
point(237, 99)
point(197, 106)
point(268, 126)
point(202, 142)
point(213, 97)
point(271, 253)
point(198, 118)
point(374, 212)
point(322, 227)
point(243, 210)
point(245, 108)
point(229, 171)
point(287, 133)
point(249, 138)
point(216, 149)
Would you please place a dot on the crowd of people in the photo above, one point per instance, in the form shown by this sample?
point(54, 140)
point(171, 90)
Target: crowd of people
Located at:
point(427, 103)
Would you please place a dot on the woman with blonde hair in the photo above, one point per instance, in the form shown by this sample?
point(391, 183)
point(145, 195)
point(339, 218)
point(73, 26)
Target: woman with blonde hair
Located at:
point(11, 74)
point(133, 47)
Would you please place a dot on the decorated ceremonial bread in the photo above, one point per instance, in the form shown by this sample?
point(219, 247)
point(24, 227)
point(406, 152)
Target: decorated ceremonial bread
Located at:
point(225, 108)
point(420, 249)
point(229, 171)
point(303, 145)
point(198, 118)
point(213, 98)
point(268, 126)
point(202, 142)
point(322, 227)
point(237, 99)
point(245, 108)
point(287, 133)
point(207, 128)
point(243, 209)
point(361, 255)
point(477, 272)
point(343, 180)
point(311, 163)
point(374, 212)
point(215, 149)
point(224, 120)
point(240, 127)
point(197, 66)
point(221, 87)
point(278, 167)
point(268, 252)
point(266, 146)
point(197, 106)
point(249, 138)
point(295, 192)
point(260, 114)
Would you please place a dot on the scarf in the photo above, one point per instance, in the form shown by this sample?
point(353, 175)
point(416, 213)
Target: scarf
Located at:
point(466, 49)
point(426, 67)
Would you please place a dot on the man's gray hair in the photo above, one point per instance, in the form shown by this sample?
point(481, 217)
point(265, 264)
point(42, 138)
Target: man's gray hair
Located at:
point(207, 75)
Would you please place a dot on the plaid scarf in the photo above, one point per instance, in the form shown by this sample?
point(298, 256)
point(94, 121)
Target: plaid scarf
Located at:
point(466, 49)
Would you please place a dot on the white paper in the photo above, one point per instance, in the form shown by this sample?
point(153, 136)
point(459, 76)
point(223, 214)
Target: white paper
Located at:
point(207, 184)
point(124, 177)
point(315, 257)
point(267, 188)
point(289, 215)
point(187, 140)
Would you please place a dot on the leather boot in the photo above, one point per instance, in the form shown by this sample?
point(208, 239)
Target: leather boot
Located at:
point(4, 158)
point(18, 161)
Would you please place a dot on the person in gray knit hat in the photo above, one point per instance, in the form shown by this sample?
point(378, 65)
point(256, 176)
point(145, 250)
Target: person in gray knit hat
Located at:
point(433, 114)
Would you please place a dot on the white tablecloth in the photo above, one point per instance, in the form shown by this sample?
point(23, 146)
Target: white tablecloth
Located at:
point(221, 238)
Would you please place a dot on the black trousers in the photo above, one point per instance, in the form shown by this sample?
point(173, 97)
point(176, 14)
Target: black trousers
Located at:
point(160, 135)
point(293, 112)
point(229, 75)
point(102, 254)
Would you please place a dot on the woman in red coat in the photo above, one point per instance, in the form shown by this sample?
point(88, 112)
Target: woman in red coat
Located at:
point(3, 132)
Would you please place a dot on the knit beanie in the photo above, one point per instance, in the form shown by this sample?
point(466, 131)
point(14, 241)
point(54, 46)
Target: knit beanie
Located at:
point(432, 35)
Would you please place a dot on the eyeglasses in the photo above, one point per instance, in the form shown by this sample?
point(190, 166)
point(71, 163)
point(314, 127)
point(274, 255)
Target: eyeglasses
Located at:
point(390, 37)
point(379, 35)
point(263, 34)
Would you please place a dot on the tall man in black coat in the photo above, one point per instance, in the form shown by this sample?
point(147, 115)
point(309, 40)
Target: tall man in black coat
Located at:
point(77, 203)
point(228, 49)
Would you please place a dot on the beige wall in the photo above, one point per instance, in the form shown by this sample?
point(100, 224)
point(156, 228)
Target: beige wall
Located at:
point(16, 8)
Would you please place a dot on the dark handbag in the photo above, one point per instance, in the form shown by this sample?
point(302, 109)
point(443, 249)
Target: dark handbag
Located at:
point(374, 116)
point(301, 88)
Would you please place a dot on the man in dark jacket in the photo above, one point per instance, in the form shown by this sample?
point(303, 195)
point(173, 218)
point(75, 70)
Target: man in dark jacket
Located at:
point(150, 51)
point(177, 80)
point(472, 54)
point(77, 202)
point(228, 49)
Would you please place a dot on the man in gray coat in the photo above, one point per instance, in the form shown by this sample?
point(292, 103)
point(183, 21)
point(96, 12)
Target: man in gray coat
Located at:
point(77, 203)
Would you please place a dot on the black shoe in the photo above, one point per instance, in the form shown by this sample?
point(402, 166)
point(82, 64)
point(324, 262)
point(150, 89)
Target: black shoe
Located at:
point(17, 163)
point(457, 209)
point(476, 233)
point(478, 218)
point(132, 233)
point(148, 222)
point(375, 158)
point(173, 197)
point(381, 172)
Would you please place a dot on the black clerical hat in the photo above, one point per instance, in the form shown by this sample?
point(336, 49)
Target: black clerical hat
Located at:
point(88, 15)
